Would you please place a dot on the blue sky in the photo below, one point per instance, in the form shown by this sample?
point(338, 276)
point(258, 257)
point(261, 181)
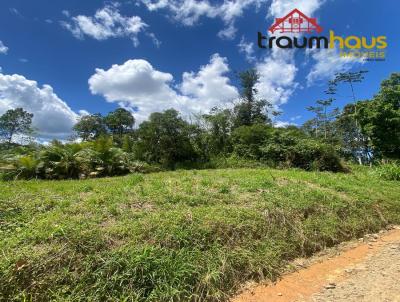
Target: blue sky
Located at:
point(150, 55)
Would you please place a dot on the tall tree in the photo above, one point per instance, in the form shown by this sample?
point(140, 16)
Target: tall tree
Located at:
point(15, 122)
point(321, 126)
point(219, 126)
point(348, 77)
point(351, 78)
point(90, 127)
point(353, 144)
point(380, 119)
point(327, 117)
point(165, 139)
point(250, 110)
point(119, 122)
point(313, 126)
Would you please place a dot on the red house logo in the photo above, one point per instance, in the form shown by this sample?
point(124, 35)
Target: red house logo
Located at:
point(295, 22)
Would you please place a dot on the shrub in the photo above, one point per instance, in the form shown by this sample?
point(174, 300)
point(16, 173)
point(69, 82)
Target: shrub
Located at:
point(248, 139)
point(291, 151)
point(21, 167)
point(71, 161)
point(389, 171)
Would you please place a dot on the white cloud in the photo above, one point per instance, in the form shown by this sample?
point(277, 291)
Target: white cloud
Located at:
point(277, 77)
point(53, 118)
point(106, 23)
point(209, 87)
point(283, 124)
point(247, 48)
point(189, 12)
point(278, 69)
point(280, 8)
point(66, 13)
point(327, 63)
point(295, 118)
point(3, 48)
point(155, 40)
point(138, 85)
point(16, 12)
point(228, 33)
point(83, 112)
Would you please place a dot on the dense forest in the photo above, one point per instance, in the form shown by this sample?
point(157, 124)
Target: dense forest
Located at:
point(364, 132)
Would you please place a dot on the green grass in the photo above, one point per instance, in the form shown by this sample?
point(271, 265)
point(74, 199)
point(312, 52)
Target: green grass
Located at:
point(177, 236)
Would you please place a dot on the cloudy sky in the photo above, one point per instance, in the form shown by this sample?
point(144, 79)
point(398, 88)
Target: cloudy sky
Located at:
point(63, 59)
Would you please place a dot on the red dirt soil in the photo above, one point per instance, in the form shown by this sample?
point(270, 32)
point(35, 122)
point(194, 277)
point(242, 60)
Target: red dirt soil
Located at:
point(304, 284)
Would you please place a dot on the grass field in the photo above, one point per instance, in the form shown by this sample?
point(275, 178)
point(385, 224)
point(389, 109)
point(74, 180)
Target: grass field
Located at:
point(177, 236)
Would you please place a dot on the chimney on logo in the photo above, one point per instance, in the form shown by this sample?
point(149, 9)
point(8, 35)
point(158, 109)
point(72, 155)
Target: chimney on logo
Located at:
point(295, 22)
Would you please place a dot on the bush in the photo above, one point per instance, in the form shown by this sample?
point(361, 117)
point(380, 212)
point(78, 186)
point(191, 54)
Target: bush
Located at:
point(389, 171)
point(72, 161)
point(234, 162)
point(248, 139)
point(291, 151)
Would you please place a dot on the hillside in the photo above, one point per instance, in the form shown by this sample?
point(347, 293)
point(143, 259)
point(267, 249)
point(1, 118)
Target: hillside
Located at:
point(177, 236)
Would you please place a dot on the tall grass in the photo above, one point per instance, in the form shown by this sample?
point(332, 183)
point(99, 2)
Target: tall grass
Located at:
point(177, 236)
point(389, 171)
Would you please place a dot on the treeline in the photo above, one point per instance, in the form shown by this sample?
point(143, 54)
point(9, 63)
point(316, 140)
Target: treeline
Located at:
point(363, 131)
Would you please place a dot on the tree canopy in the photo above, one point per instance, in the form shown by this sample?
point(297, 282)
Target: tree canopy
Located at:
point(380, 118)
point(15, 122)
point(119, 122)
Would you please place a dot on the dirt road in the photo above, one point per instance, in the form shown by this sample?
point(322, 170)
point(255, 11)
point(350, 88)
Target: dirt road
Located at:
point(367, 270)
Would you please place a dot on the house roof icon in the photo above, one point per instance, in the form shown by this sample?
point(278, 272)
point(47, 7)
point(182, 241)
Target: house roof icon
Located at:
point(295, 22)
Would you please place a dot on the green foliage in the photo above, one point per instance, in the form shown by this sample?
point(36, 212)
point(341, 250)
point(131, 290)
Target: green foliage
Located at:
point(26, 167)
point(70, 161)
point(389, 171)
point(177, 236)
point(292, 149)
point(322, 125)
point(165, 139)
point(218, 125)
point(120, 122)
point(380, 119)
point(90, 127)
point(15, 122)
point(247, 140)
point(354, 145)
point(250, 110)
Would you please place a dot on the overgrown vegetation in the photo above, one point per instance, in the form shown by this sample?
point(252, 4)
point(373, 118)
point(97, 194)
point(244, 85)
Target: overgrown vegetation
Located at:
point(191, 235)
point(177, 236)
point(366, 132)
point(389, 171)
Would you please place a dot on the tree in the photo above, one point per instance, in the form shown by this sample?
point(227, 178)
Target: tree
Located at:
point(312, 126)
point(218, 126)
point(347, 77)
point(392, 82)
point(120, 122)
point(165, 139)
point(322, 121)
point(15, 122)
point(247, 140)
point(380, 119)
point(351, 78)
point(352, 142)
point(250, 110)
point(90, 127)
